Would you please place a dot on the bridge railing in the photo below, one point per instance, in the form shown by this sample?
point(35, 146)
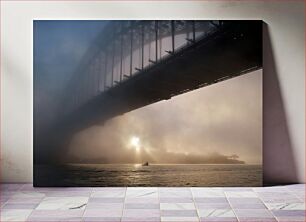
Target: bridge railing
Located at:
point(125, 49)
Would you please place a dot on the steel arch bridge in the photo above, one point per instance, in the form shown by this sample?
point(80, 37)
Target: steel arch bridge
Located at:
point(136, 63)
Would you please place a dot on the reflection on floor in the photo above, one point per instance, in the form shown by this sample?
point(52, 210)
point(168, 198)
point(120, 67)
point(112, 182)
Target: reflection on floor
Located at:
point(22, 202)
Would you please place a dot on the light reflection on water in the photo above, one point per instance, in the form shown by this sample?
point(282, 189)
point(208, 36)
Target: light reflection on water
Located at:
point(152, 175)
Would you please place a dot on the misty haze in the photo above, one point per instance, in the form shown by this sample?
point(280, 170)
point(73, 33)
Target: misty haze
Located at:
point(147, 103)
point(208, 125)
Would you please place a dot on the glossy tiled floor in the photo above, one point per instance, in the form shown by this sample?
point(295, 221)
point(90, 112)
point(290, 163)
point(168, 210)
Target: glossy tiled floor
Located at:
point(22, 202)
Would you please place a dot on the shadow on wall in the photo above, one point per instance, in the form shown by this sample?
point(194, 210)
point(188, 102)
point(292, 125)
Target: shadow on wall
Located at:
point(278, 161)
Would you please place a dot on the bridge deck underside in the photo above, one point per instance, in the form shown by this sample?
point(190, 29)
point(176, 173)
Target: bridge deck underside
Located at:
point(232, 51)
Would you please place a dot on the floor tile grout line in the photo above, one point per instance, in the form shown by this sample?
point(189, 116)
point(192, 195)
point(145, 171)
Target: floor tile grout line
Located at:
point(37, 204)
point(19, 189)
point(287, 191)
point(91, 192)
point(5, 202)
point(231, 206)
point(265, 205)
point(42, 199)
point(158, 198)
point(123, 206)
point(194, 203)
point(292, 192)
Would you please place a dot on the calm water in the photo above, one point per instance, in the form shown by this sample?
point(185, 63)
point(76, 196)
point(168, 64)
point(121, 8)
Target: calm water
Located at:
point(153, 175)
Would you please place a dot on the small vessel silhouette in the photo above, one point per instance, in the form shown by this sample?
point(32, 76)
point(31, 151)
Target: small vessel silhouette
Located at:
point(145, 164)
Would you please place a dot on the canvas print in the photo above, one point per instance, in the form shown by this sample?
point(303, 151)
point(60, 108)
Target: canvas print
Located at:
point(147, 103)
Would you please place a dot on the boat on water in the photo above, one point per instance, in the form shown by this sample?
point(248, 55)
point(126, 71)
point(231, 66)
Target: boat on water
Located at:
point(145, 164)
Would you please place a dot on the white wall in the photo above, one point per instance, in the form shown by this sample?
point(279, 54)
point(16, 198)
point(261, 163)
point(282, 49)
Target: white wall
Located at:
point(284, 63)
